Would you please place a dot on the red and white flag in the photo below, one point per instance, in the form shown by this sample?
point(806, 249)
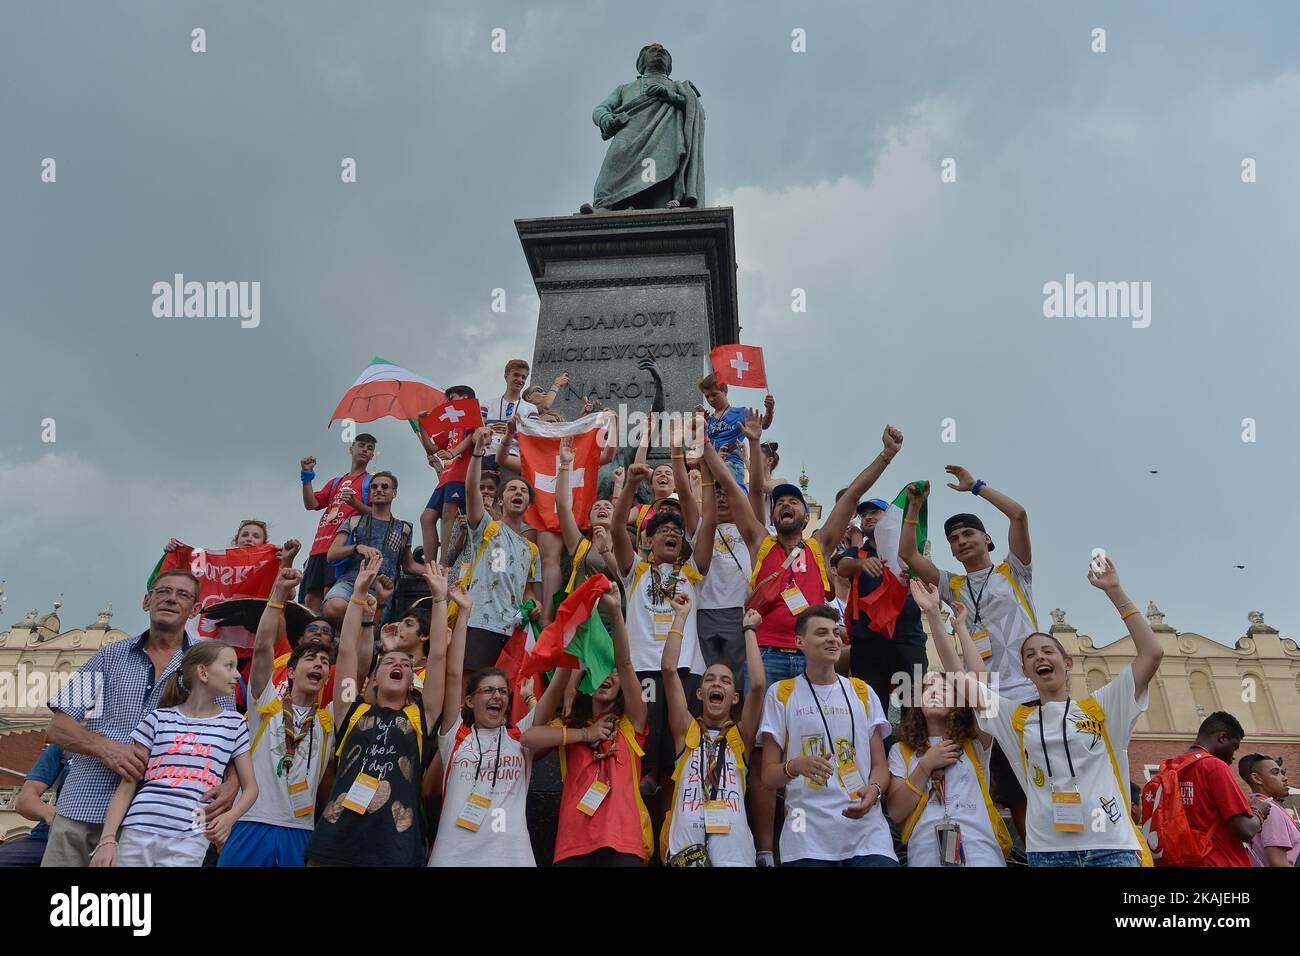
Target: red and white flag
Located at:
point(385, 390)
point(739, 365)
point(228, 574)
point(539, 455)
point(464, 413)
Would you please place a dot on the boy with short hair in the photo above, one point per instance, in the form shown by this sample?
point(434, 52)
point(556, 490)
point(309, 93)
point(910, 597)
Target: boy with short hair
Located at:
point(1278, 841)
point(341, 498)
point(454, 447)
point(726, 425)
point(500, 413)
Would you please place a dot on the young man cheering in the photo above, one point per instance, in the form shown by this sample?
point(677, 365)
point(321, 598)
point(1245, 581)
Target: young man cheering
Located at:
point(341, 498)
point(998, 597)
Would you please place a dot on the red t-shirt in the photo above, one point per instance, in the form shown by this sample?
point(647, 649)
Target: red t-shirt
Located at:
point(1210, 798)
point(337, 510)
point(777, 627)
point(619, 820)
point(459, 466)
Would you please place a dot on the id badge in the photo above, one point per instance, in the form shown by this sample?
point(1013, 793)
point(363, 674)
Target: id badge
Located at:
point(663, 624)
point(301, 800)
point(717, 817)
point(361, 793)
point(794, 600)
point(474, 812)
point(593, 798)
point(851, 778)
point(1067, 811)
point(951, 852)
point(983, 643)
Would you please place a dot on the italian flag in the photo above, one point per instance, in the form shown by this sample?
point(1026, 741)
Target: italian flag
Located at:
point(513, 655)
point(385, 390)
point(576, 638)
point(884, 603)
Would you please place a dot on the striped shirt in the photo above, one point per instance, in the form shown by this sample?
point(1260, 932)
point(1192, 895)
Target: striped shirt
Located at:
point(111, 693)
point(187, 758)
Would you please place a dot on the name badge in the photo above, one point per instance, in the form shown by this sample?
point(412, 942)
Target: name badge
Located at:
point(474, 812)
point(1067, 811)
point(361, 793)
point(593, 798)
point(983, 643)
point(950, 848)
point(717, 817)
point(663, 624)
point(301, 800)
point(794, 600)
point(851, 779)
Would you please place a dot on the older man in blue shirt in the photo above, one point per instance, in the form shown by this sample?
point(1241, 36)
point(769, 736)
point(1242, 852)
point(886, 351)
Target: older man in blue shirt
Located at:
point(106, 699)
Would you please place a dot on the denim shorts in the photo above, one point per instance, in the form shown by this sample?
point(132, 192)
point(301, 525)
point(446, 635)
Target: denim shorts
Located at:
point(1088, 858)
point(777, 666)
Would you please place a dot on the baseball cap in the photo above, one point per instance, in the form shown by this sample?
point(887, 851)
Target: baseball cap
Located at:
point(964, 521)
point(872, 503)
point(788, 489)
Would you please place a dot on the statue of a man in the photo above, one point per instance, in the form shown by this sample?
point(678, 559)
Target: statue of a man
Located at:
point(655, 126)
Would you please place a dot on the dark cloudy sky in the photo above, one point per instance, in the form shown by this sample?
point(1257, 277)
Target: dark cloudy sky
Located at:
point(924, 298)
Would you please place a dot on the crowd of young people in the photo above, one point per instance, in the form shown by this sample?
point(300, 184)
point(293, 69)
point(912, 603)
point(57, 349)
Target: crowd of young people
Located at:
point(746, 674)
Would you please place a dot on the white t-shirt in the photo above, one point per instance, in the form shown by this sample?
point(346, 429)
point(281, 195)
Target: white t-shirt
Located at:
point(992, 604)
point(650, 615)
point(310, 759)
point(500, 411)
point(734, 848)
point(965, 807)
point(825, 833)
point(1107, 825)
point(727, 583)
point(502, 836)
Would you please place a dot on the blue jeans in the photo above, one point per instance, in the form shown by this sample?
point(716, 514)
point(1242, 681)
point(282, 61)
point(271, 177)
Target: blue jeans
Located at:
point(1089, 858)
point(873, 859)
point(776, 666)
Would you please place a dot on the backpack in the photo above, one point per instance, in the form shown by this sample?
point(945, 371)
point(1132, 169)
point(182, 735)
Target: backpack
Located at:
point(1165, 826)
point(343, 566)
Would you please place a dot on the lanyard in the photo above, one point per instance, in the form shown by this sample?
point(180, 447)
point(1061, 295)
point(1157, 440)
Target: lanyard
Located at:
point(718, 762)
point(496, 766)
point(853, 728)
point(723, 538)
point(1065, 741)
point(976, 598)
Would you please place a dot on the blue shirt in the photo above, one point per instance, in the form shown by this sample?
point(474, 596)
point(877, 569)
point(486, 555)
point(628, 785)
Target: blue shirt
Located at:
point(48, 769)
point(726, 432)
point(111, 693)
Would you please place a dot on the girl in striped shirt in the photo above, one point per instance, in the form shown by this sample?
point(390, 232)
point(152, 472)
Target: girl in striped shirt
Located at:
point(187, 744)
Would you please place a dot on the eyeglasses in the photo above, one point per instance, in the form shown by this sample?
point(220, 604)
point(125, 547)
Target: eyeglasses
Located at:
point(493, 691)
point(318, 628)
point(671, 532)
point(166, 592)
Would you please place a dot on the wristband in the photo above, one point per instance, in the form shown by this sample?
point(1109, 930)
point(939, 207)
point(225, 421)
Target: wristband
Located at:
point(975, 488)
point(472, 455)
point(437, 600)
point(677, 631)
point(278, 607)
point(362, 603)
point(1127, 614)
point(879, 793)
point(307, 476)
point(911, 521)
point(749, 627)
point(786, 767)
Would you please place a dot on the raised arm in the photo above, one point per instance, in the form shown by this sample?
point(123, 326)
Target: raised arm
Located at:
point(926, 597)
point(705, 535)
point(908, 553)
point(751, 529)
point(345, 669)
point(634, 705)
point(832, 530)
point(268, 631)
point(453, 656)
point(564, 500)
point(624, 547)
point(679, 712)
point(757, 474)
point(1018, 533)
point(308, 466)
point(752, 712)
point(1102, 574)
point(474, 497)
point(682, 477)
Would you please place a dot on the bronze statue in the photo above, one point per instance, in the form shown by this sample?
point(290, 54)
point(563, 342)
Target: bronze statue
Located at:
point(655, 126)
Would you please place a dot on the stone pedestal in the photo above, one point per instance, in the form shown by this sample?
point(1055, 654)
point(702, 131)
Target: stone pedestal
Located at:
point(618, 287)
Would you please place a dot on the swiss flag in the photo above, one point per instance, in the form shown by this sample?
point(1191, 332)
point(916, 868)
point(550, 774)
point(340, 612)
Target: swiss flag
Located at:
point(539, 453)
point(463, 413)
point(739, 365)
